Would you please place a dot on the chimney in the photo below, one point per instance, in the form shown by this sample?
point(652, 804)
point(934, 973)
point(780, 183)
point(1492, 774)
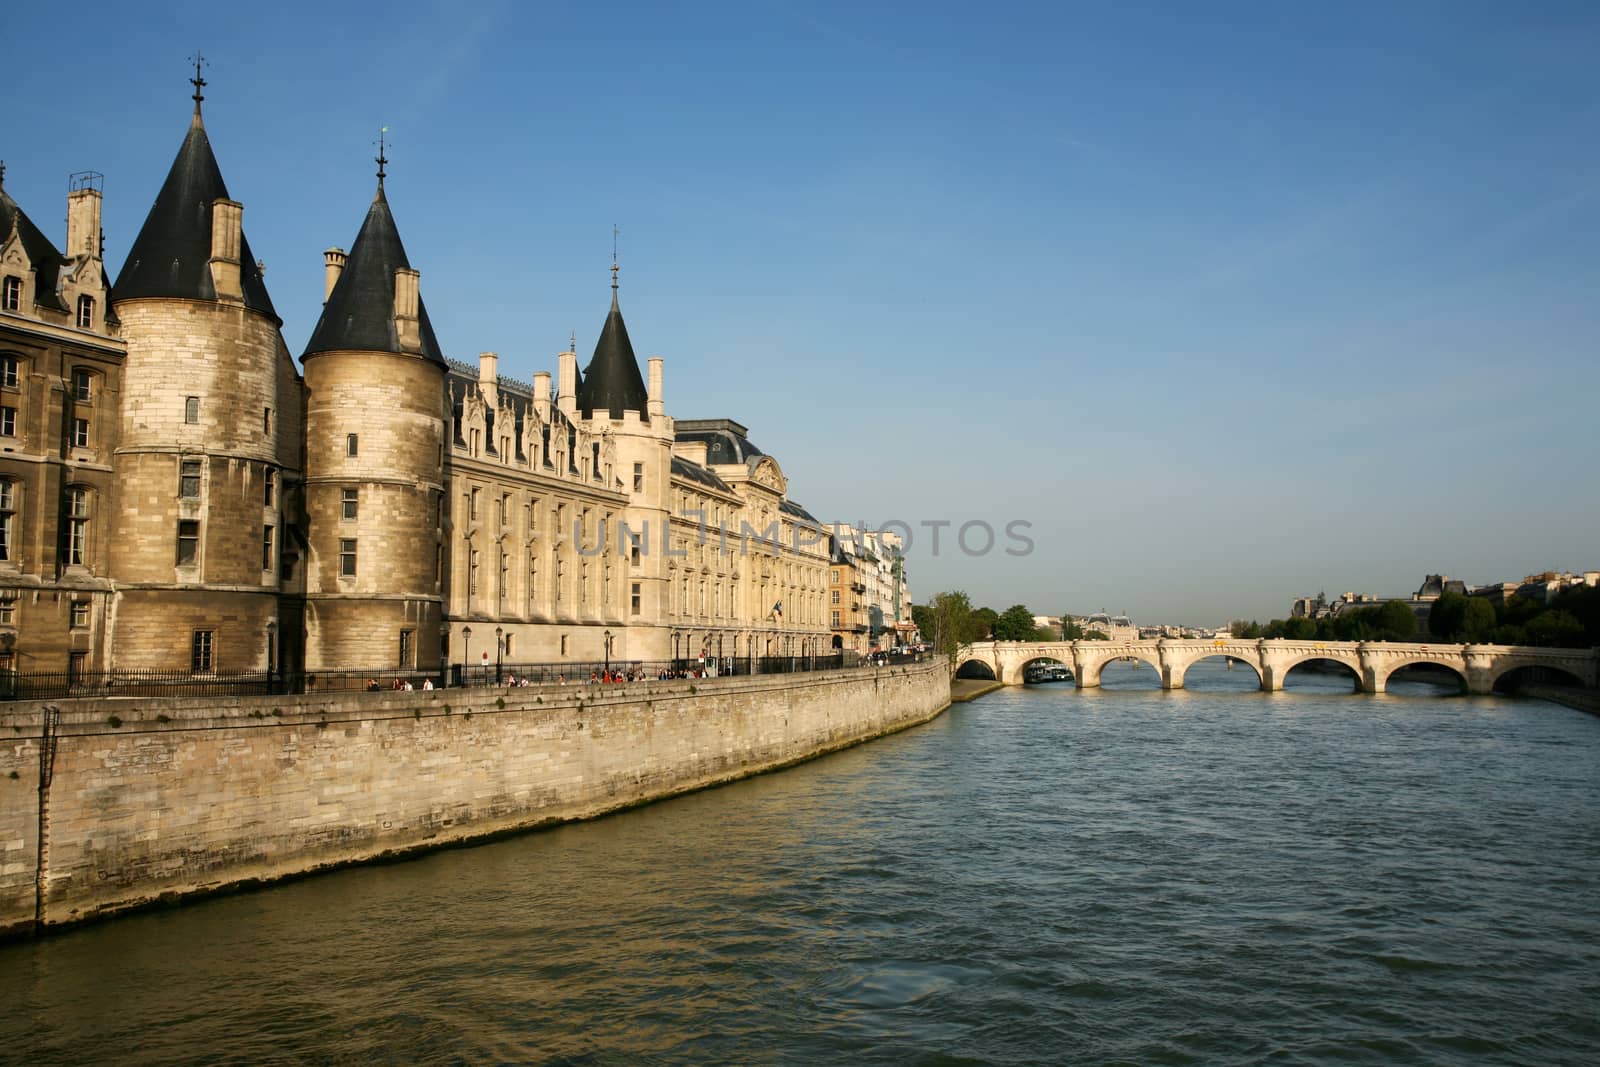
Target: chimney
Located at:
point(83, 223)
point(693, 451)
point(407, 329)
point(227, 217)
point(489, 378)
point(333, 265)
point(567, 382)
point(655, 407)
point(541, 395)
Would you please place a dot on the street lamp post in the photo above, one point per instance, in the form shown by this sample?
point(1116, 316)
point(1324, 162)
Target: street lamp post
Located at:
point(499, 652)
point(272, 654)
point(466, 652)
point(608, 653)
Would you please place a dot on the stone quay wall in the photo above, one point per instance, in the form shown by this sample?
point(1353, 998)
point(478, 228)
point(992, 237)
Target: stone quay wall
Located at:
point(153, 800)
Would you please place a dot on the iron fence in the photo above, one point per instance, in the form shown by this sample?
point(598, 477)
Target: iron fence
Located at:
point(167, 683)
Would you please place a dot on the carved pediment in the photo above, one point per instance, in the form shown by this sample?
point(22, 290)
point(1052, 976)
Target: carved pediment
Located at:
point(767, 474)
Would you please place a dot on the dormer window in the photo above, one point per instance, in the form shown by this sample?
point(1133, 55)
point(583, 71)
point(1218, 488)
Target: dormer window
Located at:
point(10, 293)
point(85, 312)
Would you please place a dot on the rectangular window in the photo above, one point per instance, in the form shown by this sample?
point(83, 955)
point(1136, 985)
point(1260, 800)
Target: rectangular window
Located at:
point(85, 312)
point(266, 548)
point(635, 598)
point(8, 372)
point(81, 385)
point(191, 410)
point(563, 644)
point(8, 421)
point(836, 620)
point(352, 446)
point(347, 557)
point(8, 611)
point(633, 548)
point(80, 433)
point(505, 508)
point(188, 542)
point(8, 515)
point(11, 293)
point(472, 572)
point(348, 503)
point(638, 477)
point(80, 614)
point(78, 530)
point(77, 667)
point(269, 485)
point(472, 505)
point(189, 479)
point(266, 420)
point(200, 650)
point(406, 651)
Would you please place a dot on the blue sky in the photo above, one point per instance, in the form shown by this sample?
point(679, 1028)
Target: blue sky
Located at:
point(1231, 302)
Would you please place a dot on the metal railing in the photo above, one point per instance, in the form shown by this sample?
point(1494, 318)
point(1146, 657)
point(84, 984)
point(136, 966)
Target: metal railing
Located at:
point(179, 684)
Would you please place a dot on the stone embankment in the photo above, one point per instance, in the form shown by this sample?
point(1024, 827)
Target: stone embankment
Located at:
point(146, 801)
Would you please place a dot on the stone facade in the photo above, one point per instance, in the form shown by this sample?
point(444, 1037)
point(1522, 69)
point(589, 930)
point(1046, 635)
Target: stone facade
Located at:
point(176, 497)
point(173, 798)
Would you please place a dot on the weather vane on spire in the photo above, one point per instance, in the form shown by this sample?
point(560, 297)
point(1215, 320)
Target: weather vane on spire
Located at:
point(380, 159)
point(614, 232)
point(198, 81)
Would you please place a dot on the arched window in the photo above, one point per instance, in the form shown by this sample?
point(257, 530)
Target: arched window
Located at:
point(85, 312)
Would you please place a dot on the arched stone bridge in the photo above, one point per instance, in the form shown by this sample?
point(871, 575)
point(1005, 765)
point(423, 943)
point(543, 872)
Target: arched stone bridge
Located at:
point(1372, 662)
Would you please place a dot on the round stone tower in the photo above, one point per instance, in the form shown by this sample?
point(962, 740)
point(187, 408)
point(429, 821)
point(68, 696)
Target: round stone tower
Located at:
point(209, 437)
point(375, 442)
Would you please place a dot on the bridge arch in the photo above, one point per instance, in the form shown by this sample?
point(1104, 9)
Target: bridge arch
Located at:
point(1510, 677)
point(1346, 669)
point(1053, 659)
point(1180, 668)
point(976, 667)
point(1093, 662)
point(1383, 672)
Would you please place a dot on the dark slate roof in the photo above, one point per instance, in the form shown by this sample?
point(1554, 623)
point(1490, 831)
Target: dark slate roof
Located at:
point(793, 510)
point(684, 468)
point(611, 382)
point(725, 440)
point(47, 261)
point(172, 254)
point(359, 314)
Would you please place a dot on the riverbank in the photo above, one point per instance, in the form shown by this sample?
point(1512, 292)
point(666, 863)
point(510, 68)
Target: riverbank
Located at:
point(1568, 695)
point(153, 801)
point(965, 689)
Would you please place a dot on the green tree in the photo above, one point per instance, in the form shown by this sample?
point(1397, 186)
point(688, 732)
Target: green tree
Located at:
point(1447, 617)
point(1299, 629)
point(1095, 635)
point(1044, 633)
point(982, 624)
point(951, 617)
point(1396, 621)
point(1477, 620)
point(1014, 624)
point(922, 618)
point(1070, 631)
point(1555, 628)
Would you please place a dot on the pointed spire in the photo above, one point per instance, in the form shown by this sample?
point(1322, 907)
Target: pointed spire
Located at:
point(171, 256)
point(380, 159)
point(199, 83)
point(614, 232)
point(359, 315)
point(611, 383)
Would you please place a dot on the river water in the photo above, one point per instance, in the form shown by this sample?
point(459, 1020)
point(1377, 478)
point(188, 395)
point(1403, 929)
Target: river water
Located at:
point(1042, 876)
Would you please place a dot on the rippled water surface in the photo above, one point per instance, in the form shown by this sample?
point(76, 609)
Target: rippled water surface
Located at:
point(1045, 875)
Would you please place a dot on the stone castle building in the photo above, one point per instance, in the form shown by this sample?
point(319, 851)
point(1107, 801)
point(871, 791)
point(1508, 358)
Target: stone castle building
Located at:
point(176, 494)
